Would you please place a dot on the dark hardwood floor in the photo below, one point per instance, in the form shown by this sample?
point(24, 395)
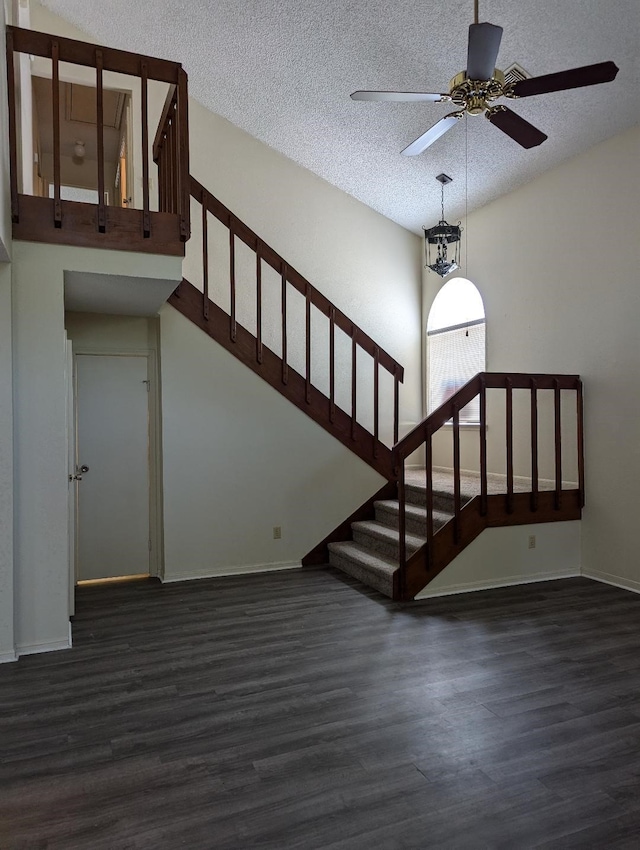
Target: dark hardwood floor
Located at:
point(294, 710)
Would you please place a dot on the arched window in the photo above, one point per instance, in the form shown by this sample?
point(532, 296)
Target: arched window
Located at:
point(455, 344)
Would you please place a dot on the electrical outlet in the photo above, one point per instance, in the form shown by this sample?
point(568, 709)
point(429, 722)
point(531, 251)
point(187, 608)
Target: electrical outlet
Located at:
point(277, 532)
point(532, 541)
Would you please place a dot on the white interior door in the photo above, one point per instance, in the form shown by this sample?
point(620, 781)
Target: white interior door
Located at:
point(112, 404)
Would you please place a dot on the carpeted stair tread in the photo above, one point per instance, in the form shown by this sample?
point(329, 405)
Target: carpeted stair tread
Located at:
point(466, 493)
point(371, 568)
point(413, 511)
point(383, 539)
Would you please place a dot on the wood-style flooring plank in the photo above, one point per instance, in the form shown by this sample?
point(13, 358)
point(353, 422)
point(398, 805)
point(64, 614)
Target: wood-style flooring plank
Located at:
point(296, 710)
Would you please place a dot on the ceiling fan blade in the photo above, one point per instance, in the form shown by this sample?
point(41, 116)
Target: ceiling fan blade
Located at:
point(482, 53)
point(399, 96)
point(513, 125)
point(432, 134)
point(589, 75)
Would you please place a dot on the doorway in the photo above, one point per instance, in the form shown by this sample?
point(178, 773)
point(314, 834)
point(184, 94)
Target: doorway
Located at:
point(113, 466)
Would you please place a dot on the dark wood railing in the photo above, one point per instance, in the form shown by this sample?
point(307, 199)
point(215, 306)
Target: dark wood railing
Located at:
point(55, 220)
point(485, 510)
point(276, 369)
point(171, 146)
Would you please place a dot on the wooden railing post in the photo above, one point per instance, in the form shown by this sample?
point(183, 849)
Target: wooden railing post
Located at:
point(232, 281)
point(428, 464)
point(456, 474)
point(258, 302)
point(402, 539)
point(55, 82)
point(353, 381)
point(182, 165)
point(396, 405)
point(534, 445)
point(285, 367)
point(173, 159)
point(509, 428)
point(558, 443)
point(144, 91)
point(13, 133)
point(483, 446)
point(205, 256)
point(332, 364)
point(580, 424)
point(102, 212)
point(376, 401)
point(307, 332)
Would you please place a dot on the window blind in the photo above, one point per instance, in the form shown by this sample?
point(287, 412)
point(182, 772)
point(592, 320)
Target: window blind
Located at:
point(454, 356)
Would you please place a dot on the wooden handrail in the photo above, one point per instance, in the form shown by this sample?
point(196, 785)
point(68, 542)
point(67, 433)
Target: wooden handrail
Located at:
point(83, 53)
point(537, 504)
point(492, 380)
point(270, 256)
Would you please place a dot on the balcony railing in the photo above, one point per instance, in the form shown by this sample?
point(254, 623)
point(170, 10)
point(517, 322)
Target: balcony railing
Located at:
point(127, 216)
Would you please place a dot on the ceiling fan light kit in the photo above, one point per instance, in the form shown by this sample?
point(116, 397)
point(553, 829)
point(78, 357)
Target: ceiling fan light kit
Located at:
point(436, 239)
point(475, 90)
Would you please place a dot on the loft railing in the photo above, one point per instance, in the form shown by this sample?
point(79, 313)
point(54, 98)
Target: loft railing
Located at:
point(487, 509)
point(171, 147)
point(373, 441)
point(160, 227)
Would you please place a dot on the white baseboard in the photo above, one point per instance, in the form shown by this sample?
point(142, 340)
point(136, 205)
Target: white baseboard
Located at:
point(616, 581)
point(6, 657)
point(490, 584)
point(46, 646)
point(243, 569)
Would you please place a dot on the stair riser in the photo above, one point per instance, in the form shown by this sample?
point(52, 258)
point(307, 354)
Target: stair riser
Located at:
point(381, 547)
point(413, 525)
point(441, 501)
point(357, 571)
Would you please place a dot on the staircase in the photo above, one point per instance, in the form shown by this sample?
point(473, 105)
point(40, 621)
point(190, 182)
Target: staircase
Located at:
point(420, 520)
point(405, 535)
point(248, 344)
point(372, 555)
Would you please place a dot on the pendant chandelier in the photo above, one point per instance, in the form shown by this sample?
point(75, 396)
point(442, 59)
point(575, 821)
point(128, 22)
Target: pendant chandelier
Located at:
point(439, 237)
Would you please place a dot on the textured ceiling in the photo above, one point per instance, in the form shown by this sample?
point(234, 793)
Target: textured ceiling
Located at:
point(283, 70)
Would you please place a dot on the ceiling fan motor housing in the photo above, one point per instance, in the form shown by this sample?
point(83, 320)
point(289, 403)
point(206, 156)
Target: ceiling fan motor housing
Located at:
point(475, 95)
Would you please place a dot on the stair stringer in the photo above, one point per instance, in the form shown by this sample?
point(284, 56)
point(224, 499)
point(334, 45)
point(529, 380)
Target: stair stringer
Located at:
point(188, 300)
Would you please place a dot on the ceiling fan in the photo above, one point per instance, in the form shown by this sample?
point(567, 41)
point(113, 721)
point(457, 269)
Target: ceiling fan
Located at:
point(476, 89)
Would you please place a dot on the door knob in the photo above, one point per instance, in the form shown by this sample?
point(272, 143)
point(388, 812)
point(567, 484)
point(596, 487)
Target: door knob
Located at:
point(84, 468)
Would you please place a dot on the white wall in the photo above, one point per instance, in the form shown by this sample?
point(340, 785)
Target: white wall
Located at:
point(557, 265)
point(40, 444)
point(7, 644)
point(240, 459)
point(367, 265)
point(501, 556)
